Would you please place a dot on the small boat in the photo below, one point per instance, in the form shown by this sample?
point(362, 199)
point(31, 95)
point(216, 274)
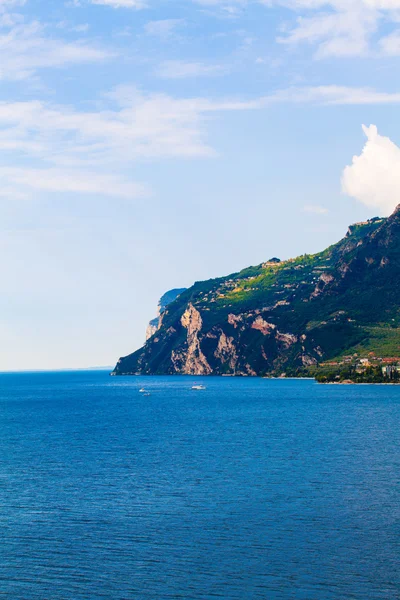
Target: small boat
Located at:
point(198, 387)
point(142, 391)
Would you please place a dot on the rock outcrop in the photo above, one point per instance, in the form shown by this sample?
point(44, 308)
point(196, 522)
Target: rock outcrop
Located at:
point(195, 361)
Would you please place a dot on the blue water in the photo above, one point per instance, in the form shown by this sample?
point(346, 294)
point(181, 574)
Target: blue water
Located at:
point(250, 489)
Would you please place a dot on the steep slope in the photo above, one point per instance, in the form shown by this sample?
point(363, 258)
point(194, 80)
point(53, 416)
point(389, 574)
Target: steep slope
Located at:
point(283, 316)
point(164, 301)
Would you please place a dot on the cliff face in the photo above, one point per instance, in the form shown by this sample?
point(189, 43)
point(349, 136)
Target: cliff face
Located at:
point(166, 299)
point(190, 359)
point(153, 327)
point(284, 316)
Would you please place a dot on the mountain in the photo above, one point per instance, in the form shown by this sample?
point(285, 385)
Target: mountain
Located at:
point(164, 301)
point(285, 316)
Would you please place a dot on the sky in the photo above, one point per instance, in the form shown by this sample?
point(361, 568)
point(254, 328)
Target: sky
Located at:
point(149, 144)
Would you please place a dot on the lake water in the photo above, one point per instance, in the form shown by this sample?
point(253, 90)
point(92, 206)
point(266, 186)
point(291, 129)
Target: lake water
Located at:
point(249, 489)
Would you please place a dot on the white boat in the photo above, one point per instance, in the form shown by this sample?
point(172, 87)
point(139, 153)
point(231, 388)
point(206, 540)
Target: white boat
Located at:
point(198, 387)
point(142, 391)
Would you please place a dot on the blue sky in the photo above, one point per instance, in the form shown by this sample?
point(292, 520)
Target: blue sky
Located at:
point(148, 144)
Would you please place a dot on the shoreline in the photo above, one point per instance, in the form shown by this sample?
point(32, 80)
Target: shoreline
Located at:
point(112, 374)
point(356, 383)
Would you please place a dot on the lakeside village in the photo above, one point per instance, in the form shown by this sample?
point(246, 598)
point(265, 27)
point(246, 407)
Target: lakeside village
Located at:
point(353, 369)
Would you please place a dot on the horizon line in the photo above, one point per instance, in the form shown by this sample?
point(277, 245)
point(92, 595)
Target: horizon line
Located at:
point(59, 370)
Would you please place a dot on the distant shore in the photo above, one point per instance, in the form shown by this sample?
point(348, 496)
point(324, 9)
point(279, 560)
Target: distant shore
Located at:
point(356, 383)
point(346, 382)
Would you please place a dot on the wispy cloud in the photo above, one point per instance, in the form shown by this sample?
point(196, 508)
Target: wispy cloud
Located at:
point(163, 28)
point(339, 34)
point(229, 9)
point(315, 209)
point(27, 49)
point(333, 95)
point(134, 125)
point(137, 4)
point(180, 69)
point(390, 45)
point(20, 180)
point(6, 4)
point(91, 152)
point(334, 28)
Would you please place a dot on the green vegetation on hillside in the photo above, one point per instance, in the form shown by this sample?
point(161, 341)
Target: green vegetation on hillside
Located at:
point(352, 375)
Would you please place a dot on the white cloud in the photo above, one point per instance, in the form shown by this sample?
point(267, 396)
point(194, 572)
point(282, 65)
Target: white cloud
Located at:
point(180, 69)
point(121, 3)
point(374, 176)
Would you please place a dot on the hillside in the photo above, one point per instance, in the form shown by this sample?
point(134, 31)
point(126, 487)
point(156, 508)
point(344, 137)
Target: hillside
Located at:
point(285, 317)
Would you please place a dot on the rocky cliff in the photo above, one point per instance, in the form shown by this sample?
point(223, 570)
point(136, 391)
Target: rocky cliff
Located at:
point(164, 301)
point(284, 317)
